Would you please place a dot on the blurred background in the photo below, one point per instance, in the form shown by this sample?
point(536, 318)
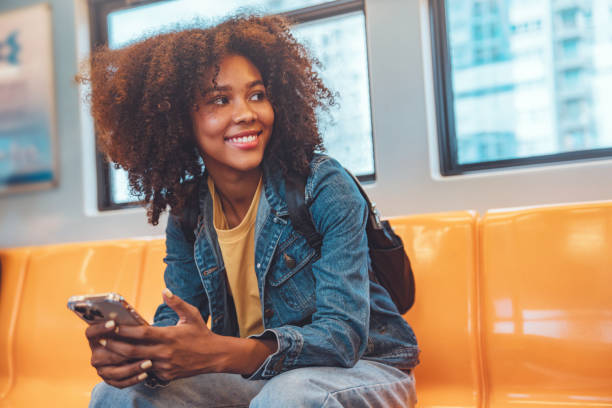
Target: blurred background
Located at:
point(443, 104)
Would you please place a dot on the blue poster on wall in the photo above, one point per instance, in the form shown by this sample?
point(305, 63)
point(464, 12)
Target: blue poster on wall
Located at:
point(27, 113)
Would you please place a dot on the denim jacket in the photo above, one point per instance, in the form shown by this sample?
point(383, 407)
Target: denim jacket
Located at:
point(320, 307)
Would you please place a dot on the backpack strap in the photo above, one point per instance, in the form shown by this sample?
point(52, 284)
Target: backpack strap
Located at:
point(299, 214)
point(373, 213)
point(190, 214)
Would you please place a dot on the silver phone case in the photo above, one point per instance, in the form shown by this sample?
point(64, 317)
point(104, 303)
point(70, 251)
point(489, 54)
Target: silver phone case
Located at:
point(103, 307)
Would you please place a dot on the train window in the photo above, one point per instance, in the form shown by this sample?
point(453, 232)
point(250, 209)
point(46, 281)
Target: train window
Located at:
point(333, 30)
point(520, 82)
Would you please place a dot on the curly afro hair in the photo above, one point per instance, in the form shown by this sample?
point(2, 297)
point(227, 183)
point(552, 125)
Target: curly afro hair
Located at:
point(141, 97)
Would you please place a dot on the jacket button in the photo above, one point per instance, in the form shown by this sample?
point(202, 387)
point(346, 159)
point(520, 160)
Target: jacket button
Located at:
point(268, 313)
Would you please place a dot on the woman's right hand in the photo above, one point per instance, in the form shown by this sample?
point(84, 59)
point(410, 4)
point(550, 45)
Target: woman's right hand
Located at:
point(113, 368)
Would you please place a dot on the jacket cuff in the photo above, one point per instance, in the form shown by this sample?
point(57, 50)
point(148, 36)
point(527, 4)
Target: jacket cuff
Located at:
point(290, 344)
point(168, 321)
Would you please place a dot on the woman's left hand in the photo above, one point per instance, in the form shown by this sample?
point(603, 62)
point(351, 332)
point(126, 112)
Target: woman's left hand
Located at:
point(187, 349)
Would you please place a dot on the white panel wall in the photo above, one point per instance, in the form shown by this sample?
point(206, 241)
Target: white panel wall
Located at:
point(405, 143)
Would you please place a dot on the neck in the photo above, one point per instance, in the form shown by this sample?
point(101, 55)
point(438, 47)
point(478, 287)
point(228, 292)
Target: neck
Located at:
point(236, 193)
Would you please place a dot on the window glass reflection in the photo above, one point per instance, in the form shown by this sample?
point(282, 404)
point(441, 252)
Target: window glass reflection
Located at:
point(131, 24)
point(530, 77)
point(339, 43)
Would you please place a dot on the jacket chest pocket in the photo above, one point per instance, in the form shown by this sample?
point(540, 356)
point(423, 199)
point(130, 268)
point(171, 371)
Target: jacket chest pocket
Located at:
point(291, 276)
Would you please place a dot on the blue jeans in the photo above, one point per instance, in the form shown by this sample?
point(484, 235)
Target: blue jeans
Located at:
point(367, 384)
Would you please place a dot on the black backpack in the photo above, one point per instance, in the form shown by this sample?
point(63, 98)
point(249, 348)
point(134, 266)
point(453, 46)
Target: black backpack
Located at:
point(390, 264)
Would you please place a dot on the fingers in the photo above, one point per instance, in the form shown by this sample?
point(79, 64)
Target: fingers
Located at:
point(101, 356)
point(99, 330)
point(187, 313)
point(125, 375)
point(127, 382)
point(149, 334)
point(134, 351)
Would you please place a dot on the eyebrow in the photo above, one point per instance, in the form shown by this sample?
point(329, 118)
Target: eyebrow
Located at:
point(229, 88)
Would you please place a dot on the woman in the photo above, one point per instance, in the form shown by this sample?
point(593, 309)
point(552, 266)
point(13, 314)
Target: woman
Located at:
point(220, 117)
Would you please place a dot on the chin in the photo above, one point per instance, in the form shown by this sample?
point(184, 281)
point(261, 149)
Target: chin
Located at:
point(247, 166)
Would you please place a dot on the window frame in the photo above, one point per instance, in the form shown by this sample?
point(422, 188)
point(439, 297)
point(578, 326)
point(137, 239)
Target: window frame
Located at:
point(99, 11)
point(445, 115)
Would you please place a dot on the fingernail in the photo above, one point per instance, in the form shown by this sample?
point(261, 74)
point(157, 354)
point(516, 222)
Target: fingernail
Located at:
point(103, 342)
point(109, 324)
point(117, 330)
point(168, 293)
point(142, 376)
point(146, 364)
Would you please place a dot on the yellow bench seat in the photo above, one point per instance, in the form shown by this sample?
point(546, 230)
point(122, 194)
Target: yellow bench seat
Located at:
point(513, 309)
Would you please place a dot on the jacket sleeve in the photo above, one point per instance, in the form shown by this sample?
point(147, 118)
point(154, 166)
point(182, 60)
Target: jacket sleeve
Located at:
point(181, 275)
point(338, 333)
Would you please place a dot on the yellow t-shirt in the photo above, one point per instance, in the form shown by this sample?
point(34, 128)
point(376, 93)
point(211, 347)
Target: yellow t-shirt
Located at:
point(238, 251)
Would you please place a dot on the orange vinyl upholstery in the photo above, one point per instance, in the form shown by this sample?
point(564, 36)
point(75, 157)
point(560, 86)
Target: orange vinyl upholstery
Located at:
point(49, 353)
point(546, 298)
point(14, 264)
point(442, 252)
point(514, 309)
point(152, 281)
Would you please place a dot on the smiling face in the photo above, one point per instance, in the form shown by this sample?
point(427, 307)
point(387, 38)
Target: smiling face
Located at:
point(234, 119)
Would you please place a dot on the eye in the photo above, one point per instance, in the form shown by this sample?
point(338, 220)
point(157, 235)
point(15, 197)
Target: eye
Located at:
point(258, 96)
point(219, 100)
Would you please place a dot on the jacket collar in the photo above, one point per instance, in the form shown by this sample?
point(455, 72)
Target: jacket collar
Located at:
point(274, 187)
point(274, 203)
point(274, 190)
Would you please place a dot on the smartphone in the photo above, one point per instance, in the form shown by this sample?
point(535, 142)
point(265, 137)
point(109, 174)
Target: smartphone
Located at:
point(103, 307)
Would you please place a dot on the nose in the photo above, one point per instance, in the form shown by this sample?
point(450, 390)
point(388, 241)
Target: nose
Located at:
point(244, 113)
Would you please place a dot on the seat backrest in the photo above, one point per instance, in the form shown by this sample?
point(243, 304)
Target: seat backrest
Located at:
point(14, 263)
point(546, 297)
point(442, 251)
point(152, 281)
point(49, 338)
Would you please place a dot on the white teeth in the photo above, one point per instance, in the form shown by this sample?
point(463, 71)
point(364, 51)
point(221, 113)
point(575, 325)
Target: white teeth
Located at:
point(244, 139)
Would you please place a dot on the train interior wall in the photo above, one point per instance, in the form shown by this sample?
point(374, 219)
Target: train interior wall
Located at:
point(407, 169)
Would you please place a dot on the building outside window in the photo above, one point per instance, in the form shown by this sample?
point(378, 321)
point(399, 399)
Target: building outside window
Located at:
point(538, 86)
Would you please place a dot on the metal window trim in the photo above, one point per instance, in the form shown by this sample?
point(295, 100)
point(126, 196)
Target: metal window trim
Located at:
point(323, 10)
point(445, 116)
point(548, 159)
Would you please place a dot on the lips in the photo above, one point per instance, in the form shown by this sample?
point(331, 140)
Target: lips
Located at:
point(244, 140)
